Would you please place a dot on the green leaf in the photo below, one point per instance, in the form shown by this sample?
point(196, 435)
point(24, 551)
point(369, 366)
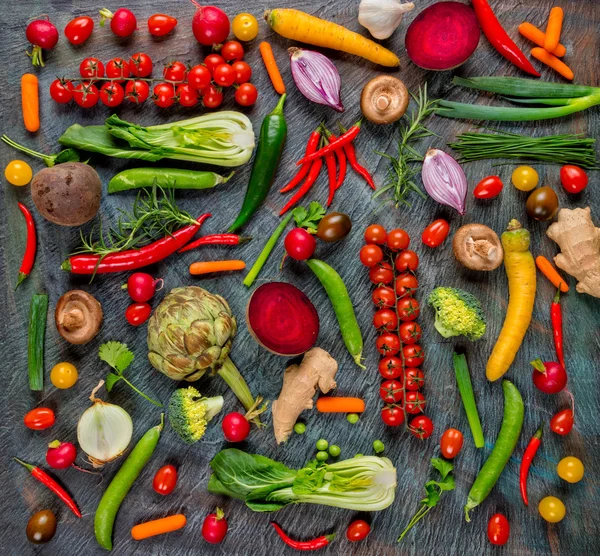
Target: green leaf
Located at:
point(309, 219)
point(433, 495)
point(446, 484)
point(443, 466)
point(117, 355)
point(111, 380)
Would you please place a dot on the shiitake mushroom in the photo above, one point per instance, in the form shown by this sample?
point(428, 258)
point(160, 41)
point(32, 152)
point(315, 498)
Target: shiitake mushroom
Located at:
point(477, 247)
point(78, 316)
point(384, 99)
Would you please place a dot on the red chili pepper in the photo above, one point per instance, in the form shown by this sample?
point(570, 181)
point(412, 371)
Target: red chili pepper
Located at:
point(528, 456)
point(350, 152)
point(499, 38)
point(557, 327)
point(215, 239)
point(30, 246)
point(342, 161)
point(313, 174)
point(45, 479)
point(314, 544)
point(133, 258)
point(344, 139)
point(311, 147)
point(331, 176)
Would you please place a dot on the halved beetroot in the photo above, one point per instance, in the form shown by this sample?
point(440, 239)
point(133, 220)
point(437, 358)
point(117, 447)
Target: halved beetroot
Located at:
point(442, 36)
point(282, 319)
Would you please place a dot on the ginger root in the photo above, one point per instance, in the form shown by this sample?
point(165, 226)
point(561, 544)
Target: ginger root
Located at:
point(579, 242)
point(300, 383)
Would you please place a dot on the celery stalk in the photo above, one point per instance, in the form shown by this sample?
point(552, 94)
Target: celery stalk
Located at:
point(465, 388)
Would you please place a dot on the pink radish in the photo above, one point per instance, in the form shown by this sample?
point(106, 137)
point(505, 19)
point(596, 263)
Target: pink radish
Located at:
point(61, 455)
point(42, 35)
point(122, 23)
point(550, 377)
point(141, 287)
point(210, 25)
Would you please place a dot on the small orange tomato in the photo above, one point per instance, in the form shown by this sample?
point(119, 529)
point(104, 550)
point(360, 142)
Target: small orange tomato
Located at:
point(451, 443)
point(436, 233)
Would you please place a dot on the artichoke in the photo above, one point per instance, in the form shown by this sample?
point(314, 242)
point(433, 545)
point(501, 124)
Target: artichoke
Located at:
point(190, 333)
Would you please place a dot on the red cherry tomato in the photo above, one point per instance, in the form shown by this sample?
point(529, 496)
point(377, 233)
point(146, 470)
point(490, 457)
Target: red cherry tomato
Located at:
point(409, 332)
point(112, 94)
point(246, 94)
point(406, 284)
point(398, 239)
point(138, 313)
point(117, 69)
point(175, 72)
point(388, 344)
point(375, 233)
point(78, 30)
point(414, 379)
point(407, 260)
point(385, 320)
point(421, 427)
point(381, 273)
point(187, 95)
point(91, 67)
point(214, 527)
point(224, 75)
point(243, 72)
point(391, 391)
point(160, 25)
point(488, 188)
point(451, 443)
point(413, 355)
point(408, 309)
point(61, 91)
point(199, 77)
point(390, 367)
point(212, 97)
point(212, 61)
point(358, 530)
point(39, 418)
point(383, 296)
point(86, 94)
point(370, 255)
point(232, 51)
point(498, 530)
point(392, 416)
point(137, 91)
point(164, 95)
point(562, 422)
point(140, 65)
point(165, 480)
point(436, 233)
point(235, 427)
point(414, 402)
point(573, 178)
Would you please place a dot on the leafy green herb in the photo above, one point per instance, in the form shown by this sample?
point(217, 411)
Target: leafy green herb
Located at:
point(66, 155)
point(309, 219)
point(399, 181)
point(119, 357)
point(433, 492)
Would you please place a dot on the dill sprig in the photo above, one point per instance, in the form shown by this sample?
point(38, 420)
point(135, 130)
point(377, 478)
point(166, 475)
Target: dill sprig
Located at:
point(399, 181)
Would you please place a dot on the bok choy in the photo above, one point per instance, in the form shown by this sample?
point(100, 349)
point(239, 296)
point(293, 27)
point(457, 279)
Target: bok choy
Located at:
point(221, 138)
point(364, 483)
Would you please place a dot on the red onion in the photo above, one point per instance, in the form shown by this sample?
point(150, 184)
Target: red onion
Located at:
point(316, 77)
point(444, 179)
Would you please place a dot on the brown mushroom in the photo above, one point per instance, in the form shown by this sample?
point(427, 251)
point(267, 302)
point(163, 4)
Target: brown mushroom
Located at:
point(477, 247)
point(78, 316)
point(384, 100)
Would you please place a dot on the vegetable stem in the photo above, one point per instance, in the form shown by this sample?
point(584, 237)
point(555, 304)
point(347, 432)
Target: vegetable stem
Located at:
point(158, 404)
point(38, 311)
point(230, 374)
point(465, 388)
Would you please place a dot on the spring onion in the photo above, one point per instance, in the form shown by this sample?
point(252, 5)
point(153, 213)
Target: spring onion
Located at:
point(444, 179)
point(35, 341)
point(465, 388)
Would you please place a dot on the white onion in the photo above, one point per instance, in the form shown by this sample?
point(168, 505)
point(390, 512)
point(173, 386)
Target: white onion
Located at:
point(444, 179)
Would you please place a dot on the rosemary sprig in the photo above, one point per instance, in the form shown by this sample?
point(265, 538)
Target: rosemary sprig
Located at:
point(399, 182)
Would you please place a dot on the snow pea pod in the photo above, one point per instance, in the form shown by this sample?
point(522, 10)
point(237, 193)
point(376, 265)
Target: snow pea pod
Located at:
point(342, 306)
point(167, 178)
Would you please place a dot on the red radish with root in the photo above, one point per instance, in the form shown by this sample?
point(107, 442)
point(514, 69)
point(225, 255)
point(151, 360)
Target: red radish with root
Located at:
point(141, 287)
point(122, 23)
point(210, 25)
point(549, 377)
point(299, 244)
point(61, 455)
point(42, 35)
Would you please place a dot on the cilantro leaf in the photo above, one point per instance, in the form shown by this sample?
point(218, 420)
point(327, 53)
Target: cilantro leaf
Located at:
point(111, 380)
point(433, 495)
point(309, 219)
point(116, 355)
point(443, 466)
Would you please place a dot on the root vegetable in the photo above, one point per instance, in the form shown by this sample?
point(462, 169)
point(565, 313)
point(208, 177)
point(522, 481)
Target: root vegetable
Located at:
point(300, 383)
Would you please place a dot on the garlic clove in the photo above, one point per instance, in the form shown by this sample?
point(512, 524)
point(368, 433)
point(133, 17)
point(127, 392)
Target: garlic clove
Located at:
point(382, 17)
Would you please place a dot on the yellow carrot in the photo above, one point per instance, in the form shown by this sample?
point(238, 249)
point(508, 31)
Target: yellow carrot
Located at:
point(538, 36)
point(555, 21)
point(158, 527)
point(30, 102)
point(271, 65)
point(205, 267)
point(335, 404)
point(552, 61)
point(546, 268)
point(520, 269)
point(302, 27)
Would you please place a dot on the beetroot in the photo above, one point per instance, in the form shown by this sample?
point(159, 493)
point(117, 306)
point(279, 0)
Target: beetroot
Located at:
point(282, 319)
point(442, 36)
point(550, 377)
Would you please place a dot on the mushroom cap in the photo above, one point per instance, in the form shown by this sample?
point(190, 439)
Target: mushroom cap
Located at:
point(477, 247)
point(384, 99)
point(78, 316)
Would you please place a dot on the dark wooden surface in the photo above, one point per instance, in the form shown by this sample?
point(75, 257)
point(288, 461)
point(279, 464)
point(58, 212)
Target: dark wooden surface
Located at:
point(444, 531)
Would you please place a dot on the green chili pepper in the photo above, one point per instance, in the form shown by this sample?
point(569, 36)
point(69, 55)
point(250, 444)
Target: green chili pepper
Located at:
point(270, 146)
point(38, 311)
point(503, 449)
point(122, 482)
point(342, 306)
point(167, 178)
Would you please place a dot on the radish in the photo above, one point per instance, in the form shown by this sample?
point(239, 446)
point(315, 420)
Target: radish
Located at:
point(214, 527)
point(141, 287)
point(42, 35)
point(549, 377)
point(61, 455)
point(299, 244)
point(442, 36)
point(210, 25)
point(122, 23)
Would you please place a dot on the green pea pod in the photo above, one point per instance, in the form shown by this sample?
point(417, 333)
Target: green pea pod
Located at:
point(122, 482)
point(270, 146)
point(167, 178)
point(503, 449)
point(342, 306)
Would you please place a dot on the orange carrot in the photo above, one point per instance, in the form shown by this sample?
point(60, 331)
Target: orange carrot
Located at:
point(552, 61)
point(267, 55)
point(335, 404)
point(158, 527)
point(537, 36)
point(30, 102)
point(205, 267)
point(555, 21)
point(546, 268)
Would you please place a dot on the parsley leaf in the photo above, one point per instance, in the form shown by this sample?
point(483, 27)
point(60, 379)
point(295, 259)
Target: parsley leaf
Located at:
point(310, 218)
point(443, 466)
point(433, 495)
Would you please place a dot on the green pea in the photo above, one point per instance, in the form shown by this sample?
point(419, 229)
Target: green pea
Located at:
point(352, 418)
point(322, 444)
point(322, 456)
point(378, 446)
point(299, 428)
point(359, 455)
point(335, 450)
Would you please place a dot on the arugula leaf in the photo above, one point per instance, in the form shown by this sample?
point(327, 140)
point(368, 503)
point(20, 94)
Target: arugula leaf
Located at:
point(310, 218)
point(443, 466)
point(117, 355)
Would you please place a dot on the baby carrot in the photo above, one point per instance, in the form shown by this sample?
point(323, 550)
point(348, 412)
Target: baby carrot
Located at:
point(267, 55)
point(538, 36)
point(335, 404)
point(552, 61)
point(546, 268)
point(555, 21)
point(30, 102)
point(158, 527)
point(205, 267)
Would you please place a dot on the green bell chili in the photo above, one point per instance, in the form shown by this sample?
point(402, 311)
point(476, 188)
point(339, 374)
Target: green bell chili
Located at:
point(167, 178)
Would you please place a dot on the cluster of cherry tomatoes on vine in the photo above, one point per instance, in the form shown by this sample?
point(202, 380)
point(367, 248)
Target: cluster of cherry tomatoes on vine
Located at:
point(392, 269)
point(121, 80)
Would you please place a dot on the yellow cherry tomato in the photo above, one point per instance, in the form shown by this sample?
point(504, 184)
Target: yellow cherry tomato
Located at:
point(570, 469)
point(244, 27)
point(18, 172)
point(552, 509)
point(63, 375)
point(525, 178)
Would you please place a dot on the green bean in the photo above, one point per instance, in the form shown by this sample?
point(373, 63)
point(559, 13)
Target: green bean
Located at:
point(122, 482)
point(167, 178)
point(465, 387)
point(503, 449)
point(38, 311)
point(342, 306)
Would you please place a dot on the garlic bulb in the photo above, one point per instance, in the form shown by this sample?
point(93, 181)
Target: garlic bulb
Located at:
point(104, 430)
point(382, 17)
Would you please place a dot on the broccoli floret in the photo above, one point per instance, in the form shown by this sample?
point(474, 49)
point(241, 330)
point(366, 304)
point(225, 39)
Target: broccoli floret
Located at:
point(189, 413)
point(457, 312)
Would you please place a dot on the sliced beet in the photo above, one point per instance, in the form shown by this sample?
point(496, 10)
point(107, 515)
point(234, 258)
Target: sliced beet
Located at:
point(442, 36)
point(282, 319)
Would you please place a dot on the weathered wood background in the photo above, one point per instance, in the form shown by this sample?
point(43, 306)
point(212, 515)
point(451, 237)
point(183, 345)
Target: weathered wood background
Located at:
point(444, 531)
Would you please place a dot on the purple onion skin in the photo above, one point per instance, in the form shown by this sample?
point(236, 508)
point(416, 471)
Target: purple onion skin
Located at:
point(444, 180)
point(316, 77)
